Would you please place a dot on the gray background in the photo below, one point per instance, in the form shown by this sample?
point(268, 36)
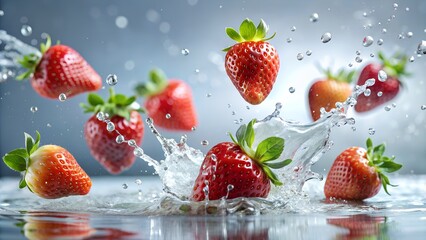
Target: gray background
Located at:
point(158, 30)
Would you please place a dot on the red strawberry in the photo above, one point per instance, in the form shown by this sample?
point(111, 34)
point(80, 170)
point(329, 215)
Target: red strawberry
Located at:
point(361, 227)
point(49, 171)
point(326, 92)
point(357, 174)
point(60, 69)
point(388, 88)
point(102, 142)
point(168, 103)
point(234, 170)
point(252, 64)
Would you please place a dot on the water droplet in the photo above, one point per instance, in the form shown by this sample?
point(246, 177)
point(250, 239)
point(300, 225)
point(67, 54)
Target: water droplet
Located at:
point(394, 105)
point(411, 59)
point(423, 107)
point(380, 42)
point(62, 97)
point(367, 92)
point(184, 52)
point(1, 13)
point(110, 126)
point(208, 95)
point(33, 109)
point(409, 34)
point(354, 129)
point(138, 181)
point(358, 59)
point(233, 113)
point(26, 30)
point(365, 14)
point(367, 41)
point(308, 52)
point(382, 76)
point(387, 108)
point(119, 139)
point(100, 116)
point(289, 40)
point(371, 131)
point(379, 94)
point(248, 107)
point(421, 49)
point(132, 143)
point(48, 125)
point(204, 142)
point(407, 9)
point(197, 70)
point(291, 89)
point(193, 128)
point(213, 157)
point(293, 28)
point(372, 55)
point(111, 79)
point(384, 30)
point(350, 64)
point(314, 17)
point(299, 56)
point(124, 186)
point(395, 5)
point(121, 22)
point(326, 37)
point(358, 52)
point(168, 116)
point(370, 82)
point(400, 36)
point(230, 187)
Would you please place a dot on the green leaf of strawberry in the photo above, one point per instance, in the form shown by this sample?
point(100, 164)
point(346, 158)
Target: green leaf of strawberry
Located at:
point(15, 162)
point(270, 149)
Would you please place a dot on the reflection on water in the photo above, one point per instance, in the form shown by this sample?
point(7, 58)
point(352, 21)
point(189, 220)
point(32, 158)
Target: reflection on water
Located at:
point(361, 226)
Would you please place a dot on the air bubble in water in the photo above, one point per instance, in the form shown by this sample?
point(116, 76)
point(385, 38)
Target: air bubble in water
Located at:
point(168, 116)
point(33, 109)
point(204, 142)
point(119, 139)
point(382, 76)
point(380, 42)
point(293, 28)
point(371, 131)
point(308, 52)
point(62, 97)
point(110, 126)
point(291, 89)
point(367, 41)
point(314, 17)
point(379, 94)
point(421, 49)
point(111, 79)
point(124, 186)
point(26, 30)
point(423, 107)
point(326, 37)
point(358, 59)
point(299, 56)
point(185, 52)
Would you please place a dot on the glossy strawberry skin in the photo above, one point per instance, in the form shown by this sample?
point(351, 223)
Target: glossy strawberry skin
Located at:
point(389, 88)
point(325, 93)
point(253, 68)
point(63, 70)
point(54, 173)
point(176, 100)
point(351, 178)
point(230, 167)
point(103, 146)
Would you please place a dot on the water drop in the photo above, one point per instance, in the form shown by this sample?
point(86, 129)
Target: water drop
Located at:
point(26, 30)
point(354, 129)
point(371, 131)
point(193, 128)
point(204, 142)
point(379, 94)
point(110, 126)
point(33, 109)
point(409, 34)
point(213, 157)
point(111, 79)
point(367, 92)
point(124, 186)
point(138, 181)
point(291, 89)
point(358, 59)
point(421, 49)
point(308, 52)
point(132, 143)
point(100, 116)
point(365, 14)
point(400, 36)
point(394, 105)
point(233, 113)
point(380, 42)
point(119, 139)
point(423, 107)
point(370, 82)
point(407, 9)
point(1, 13)
point(314, 17)
point(358, 52)
point(168, 116)
point(411, 59)
point(384, 30)
point(121, 22)
point(372, 55)
point(367, 41)
point(293, 28)
point(248, 107)
point(395, 5)
point(382, 76)
point(197, 70)
point(326, 37)
point(208, 95)
point(289, 40)
point(299, 56)
point(62, 97)
point(48, 125)
point(184, 52)
point(350, 64)
point(387, 108)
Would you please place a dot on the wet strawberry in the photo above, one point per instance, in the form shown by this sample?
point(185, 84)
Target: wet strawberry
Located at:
point(59, 70)
point(357, 174)
point(49, 171)
point(252, 64)
point(234, 170)
point(102, 141)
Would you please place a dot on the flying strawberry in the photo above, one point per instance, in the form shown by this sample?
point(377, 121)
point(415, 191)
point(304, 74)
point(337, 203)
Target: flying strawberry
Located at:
point(168, 102)
point(102, 142)
point(324, 93)
point(357, 174)
point(59, 70)
point(235, 169)
point(252, 64)
point(48, 171)
point(387, 75)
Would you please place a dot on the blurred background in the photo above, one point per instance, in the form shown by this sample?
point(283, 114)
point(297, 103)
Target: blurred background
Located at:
point(128, 38)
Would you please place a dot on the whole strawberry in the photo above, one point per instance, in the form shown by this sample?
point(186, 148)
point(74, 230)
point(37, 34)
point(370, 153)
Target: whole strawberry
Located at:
point(357, 174)
point(48, 171)
point(234, 170)
point(168, 102)
point(387, 75)
point(324, 93)
point(59, 70)
point(252, 64)
point(109, 149)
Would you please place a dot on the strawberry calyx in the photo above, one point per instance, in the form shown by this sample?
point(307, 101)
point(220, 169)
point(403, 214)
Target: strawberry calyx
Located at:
point(19, 159)
point(117, 104)
point(341, 76)
point(249, 32)
point(267, 151)
point(31, 61)
point(381, 163)
point(156, 84)
point(394, 66)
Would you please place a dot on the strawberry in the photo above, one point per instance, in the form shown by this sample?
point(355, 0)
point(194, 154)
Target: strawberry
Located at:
point(357, 174)
point(59, 70)
point(234, 169)
point(168, 103)
point(48, 171)
point(252, 64)
point(102, 141)
point(383, 89)
point(326, 92)
point(361, 227)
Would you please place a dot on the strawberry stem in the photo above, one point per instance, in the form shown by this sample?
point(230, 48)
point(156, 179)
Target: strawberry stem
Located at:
point(341, 76)
point(156, 84)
